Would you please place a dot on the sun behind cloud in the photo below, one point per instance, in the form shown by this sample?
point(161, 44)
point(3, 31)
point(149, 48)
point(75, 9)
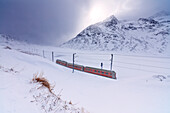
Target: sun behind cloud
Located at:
point(97, 13)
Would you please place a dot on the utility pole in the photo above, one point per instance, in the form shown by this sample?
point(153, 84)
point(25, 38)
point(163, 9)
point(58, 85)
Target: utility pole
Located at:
point(111, 62)
point(73, 61)
point(52, 56)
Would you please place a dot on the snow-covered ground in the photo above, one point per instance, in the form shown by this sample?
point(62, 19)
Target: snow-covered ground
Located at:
point(142, 85)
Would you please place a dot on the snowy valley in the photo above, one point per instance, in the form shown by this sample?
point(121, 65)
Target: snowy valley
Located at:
point(142, 85)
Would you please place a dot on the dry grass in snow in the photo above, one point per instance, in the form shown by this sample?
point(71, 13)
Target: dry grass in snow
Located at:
point(8, 70)
point(48, 101)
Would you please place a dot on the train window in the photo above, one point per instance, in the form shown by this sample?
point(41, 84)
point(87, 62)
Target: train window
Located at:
point(98, 71)
point(95, 71)
point(102, 72)
point(106, 73)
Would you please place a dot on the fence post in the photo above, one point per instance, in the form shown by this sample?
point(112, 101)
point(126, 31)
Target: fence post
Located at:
point(73, 61)
point(111, 62)
point(52, 56)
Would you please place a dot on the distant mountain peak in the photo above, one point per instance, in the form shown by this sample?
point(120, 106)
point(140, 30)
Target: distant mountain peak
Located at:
point(111, 19)
point(6, 37)
point(161, 14)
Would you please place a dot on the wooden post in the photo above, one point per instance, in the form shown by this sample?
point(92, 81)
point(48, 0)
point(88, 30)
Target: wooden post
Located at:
point(52, 56)
point(73, 61)
point(111, 62)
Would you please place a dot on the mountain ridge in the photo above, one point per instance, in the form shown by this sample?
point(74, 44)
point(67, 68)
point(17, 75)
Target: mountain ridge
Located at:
point(147, 35)
point(160, 14)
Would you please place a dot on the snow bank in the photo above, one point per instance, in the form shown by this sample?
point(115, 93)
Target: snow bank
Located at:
point(138, 88)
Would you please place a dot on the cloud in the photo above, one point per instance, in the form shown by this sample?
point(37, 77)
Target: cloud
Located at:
point(40, 21)
point(133, 9)
point(56, 21)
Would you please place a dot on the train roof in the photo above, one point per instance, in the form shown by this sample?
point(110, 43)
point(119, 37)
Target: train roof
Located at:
point(100, 69)
point(87, 66)
point(60, 60)
point(75, 64)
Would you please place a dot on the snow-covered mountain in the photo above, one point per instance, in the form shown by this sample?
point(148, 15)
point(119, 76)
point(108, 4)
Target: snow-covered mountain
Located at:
point(148, 35)
point(8, 40)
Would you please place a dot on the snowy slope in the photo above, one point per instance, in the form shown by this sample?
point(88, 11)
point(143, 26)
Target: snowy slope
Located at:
point(143, 84)
point(147, 35)
point(17, 93)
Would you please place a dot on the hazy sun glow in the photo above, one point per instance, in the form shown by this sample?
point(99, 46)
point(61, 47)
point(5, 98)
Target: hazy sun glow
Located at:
point(97, 13)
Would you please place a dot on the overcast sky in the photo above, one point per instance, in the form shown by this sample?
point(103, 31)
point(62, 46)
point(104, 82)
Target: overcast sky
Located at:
point(53, 22)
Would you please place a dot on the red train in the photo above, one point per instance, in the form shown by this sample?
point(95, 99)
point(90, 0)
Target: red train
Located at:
point(102, 72)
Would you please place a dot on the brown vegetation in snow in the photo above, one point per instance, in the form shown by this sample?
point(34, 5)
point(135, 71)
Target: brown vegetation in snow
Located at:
point(43, 81)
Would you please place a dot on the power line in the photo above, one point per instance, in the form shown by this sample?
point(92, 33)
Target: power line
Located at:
point(81, 61)
point(61, 55)
point(138, 69)
point(92, 59)
point(150, 60)
point(142, 65)
point(94, 54)
point(143, 56)
point(64, 52)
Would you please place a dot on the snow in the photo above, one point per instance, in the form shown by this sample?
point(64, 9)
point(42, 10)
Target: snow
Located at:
point(145, 35)
point(138, 88)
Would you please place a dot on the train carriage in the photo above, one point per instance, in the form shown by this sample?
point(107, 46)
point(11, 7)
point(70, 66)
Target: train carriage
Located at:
point(61, 62)
point(97, 71)
point(102, 72)
point(77, 67)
